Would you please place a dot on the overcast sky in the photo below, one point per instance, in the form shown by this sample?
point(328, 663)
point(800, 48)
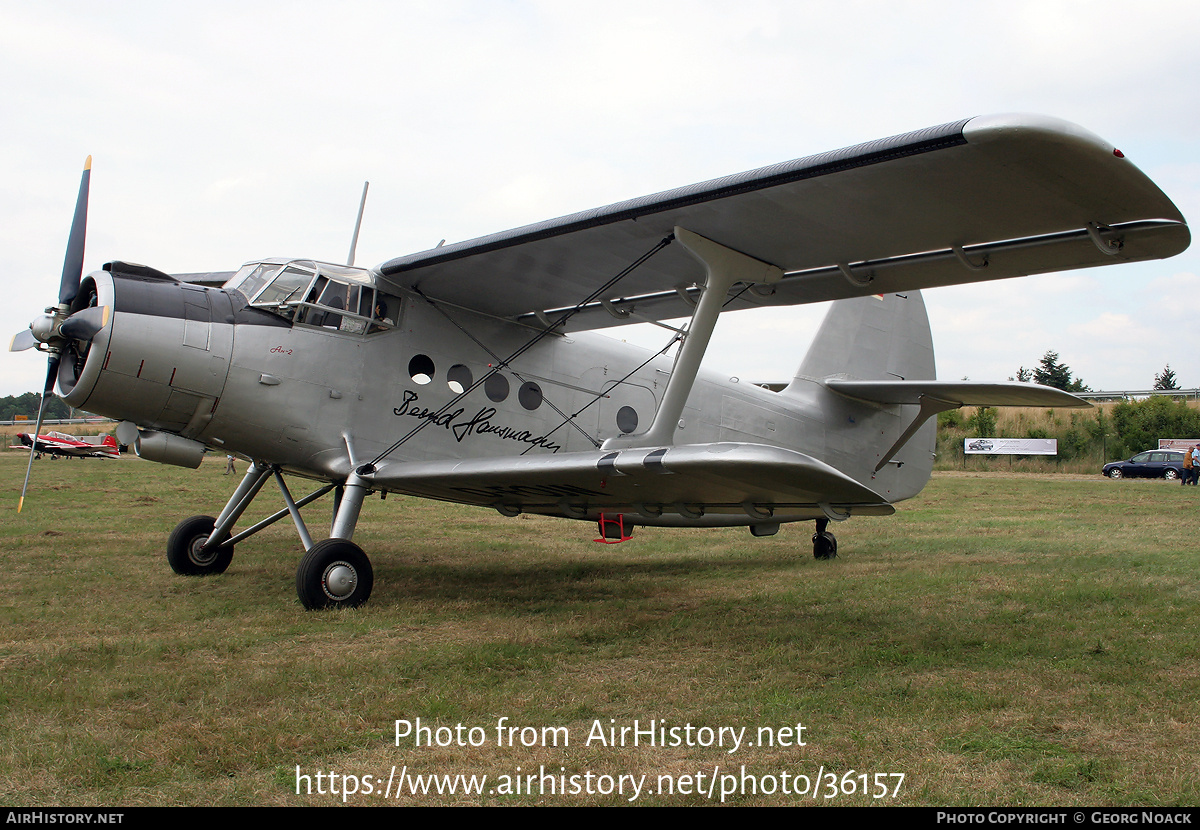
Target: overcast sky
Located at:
point(226, 132)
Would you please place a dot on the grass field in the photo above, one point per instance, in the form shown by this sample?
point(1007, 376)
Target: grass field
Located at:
point(1002, 640)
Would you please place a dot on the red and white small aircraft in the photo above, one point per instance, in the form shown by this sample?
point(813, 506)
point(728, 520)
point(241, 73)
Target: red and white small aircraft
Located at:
point(59, 443)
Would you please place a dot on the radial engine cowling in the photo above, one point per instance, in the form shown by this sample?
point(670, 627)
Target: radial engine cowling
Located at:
point(160, 362)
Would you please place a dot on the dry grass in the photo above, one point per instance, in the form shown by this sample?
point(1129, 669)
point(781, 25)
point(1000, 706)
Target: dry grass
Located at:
point(1002, 640)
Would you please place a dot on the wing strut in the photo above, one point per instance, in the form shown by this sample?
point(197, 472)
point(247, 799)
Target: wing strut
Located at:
point(930, 406)
point(724, 267)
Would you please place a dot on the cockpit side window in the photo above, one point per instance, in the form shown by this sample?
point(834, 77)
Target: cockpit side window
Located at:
point(334, 296)
point(387, 311)
point(320, 295)
point(366, 300)
point(314, 293)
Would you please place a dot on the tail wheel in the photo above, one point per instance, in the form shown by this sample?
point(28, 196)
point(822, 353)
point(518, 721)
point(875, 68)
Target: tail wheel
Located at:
point(334, 574)
point(824, 546)
point(185, 550)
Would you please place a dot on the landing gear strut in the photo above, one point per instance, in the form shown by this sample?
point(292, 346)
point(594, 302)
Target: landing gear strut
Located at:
point(334, 573)
point(824, 542)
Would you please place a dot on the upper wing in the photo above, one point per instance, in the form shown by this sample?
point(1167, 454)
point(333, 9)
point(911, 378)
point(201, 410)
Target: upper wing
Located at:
point(979, 199)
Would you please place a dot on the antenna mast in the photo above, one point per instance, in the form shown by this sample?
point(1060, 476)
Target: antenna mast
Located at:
point(358, 223)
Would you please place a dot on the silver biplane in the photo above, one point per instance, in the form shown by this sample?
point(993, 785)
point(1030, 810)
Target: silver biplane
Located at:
point(472, 372)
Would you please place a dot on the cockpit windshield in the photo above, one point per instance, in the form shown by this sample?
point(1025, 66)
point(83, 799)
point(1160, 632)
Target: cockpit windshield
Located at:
point(253, 277)
point(286, 285)
point(318, 294)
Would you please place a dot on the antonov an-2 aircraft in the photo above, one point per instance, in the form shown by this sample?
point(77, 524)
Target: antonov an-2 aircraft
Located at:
point(470, 372)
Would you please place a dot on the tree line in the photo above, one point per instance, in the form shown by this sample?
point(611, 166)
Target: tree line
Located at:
point(1050, 371)
point(1105, 433)
point(26, 405)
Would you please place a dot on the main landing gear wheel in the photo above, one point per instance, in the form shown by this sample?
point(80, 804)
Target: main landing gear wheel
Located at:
point(824, 545)
point(334, 574)
point(184, 548)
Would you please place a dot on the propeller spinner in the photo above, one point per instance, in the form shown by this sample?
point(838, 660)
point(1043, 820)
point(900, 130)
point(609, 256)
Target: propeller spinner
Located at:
point(68, 324)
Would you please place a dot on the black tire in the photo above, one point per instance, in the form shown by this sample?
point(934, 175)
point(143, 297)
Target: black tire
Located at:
point(824, 546)
point(1115, 473)
point(183, 548)
point(1171, 475)
point(334, 574)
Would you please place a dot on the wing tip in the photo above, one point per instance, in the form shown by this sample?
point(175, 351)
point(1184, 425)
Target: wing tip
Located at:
point(984, 128)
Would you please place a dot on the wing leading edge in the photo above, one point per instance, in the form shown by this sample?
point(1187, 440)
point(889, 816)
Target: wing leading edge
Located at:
point(979, 199)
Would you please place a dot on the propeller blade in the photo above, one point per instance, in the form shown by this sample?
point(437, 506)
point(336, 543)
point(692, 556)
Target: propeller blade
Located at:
point(73, 264)
point(83, 325)
point(22, 340)
point(51, 374)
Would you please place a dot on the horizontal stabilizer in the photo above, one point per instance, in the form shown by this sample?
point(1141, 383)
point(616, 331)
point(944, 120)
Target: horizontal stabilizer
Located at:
point(959, 393)
point(718, 484)
point(933, 396)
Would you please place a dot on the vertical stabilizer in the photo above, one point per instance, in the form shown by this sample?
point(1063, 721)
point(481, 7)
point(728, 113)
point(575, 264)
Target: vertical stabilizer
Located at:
point(878, 338)
point(872, 338)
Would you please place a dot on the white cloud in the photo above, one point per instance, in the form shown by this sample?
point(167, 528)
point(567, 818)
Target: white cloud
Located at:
point(229, 131)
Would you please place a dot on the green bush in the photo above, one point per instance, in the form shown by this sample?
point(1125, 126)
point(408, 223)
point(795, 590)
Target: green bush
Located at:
point(1139, 424)
point(984, 422)
point(1086, 438)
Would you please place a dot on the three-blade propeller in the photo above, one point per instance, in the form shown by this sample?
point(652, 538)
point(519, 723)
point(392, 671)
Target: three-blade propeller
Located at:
point(58, 328)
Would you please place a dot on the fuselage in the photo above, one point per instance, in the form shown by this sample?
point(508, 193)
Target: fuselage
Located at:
point(319, 368)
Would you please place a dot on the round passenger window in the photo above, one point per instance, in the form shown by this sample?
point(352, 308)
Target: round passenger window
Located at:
point(530, 395)
point(420, 369)
point(496, 387)
point(459, 378)
point(627, 419)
